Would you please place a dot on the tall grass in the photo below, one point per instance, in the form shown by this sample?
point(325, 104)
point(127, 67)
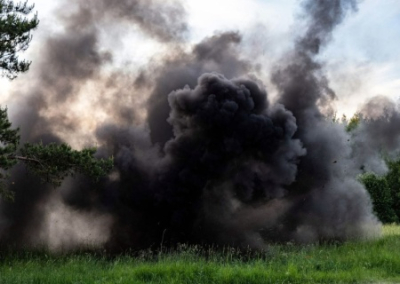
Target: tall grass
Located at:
point(354, 262)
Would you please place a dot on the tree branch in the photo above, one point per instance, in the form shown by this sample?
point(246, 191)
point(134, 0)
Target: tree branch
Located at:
point(21, 158)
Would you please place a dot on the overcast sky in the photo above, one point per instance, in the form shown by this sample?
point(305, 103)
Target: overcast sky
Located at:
point(362, 60)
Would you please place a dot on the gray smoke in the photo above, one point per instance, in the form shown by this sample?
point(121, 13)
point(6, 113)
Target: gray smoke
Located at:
point(333, 204)
point(208, 158)
point(377, 135)
point(164, 20)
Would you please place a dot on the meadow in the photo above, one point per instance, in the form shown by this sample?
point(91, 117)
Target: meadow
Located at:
point(376, 261)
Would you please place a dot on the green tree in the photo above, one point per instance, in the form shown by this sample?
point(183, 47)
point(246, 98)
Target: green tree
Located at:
point(52, 162)
point(15, 36)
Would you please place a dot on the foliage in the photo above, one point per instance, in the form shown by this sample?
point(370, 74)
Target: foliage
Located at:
point(393, 180)
point(15, 36)
point(381, 195)
point(353, 122)
point(9, 139)
point(52, 162)
point(385, 191)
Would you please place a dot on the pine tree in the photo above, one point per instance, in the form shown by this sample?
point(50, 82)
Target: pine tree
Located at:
point(15, 36)
point(52, 162)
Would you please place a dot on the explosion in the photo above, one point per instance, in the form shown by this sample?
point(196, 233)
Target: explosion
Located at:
point(202, 154)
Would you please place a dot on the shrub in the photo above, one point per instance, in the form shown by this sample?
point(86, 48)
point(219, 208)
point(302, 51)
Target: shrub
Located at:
point(381, 195)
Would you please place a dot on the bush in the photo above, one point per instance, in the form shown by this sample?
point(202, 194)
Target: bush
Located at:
point(381, 195)
point(393, 180)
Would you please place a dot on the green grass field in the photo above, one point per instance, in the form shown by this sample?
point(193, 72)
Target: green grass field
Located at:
point(375, 261)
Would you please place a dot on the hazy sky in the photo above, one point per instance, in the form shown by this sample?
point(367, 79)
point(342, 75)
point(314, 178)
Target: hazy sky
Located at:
point(362, 60)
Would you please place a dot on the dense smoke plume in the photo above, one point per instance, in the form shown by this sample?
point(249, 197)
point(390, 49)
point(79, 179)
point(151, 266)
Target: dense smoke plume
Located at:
point(218, 53)
point(334, 205)
point(212, 160)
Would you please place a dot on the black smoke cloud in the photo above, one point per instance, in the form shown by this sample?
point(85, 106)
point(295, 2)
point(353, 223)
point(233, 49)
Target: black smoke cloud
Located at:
point(218, 53)
point(214, 161)
point(249, 154)
point(229, 147)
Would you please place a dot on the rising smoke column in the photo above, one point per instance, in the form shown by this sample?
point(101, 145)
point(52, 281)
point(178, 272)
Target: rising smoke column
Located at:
point(333, 204)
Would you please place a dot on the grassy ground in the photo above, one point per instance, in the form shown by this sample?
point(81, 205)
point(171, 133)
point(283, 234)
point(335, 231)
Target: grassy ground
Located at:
point(363, 262)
